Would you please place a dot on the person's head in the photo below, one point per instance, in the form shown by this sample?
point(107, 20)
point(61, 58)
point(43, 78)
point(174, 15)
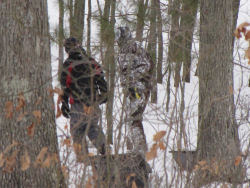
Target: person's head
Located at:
point(71, 44)
point(122, 35)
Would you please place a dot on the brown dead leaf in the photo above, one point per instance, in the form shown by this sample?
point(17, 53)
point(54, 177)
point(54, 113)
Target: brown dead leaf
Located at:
point(67, 142)
point(152, 153)
point(247, 35)
point(65, 127)
point(54, 157)
point(89, 183)
point(40, 157)
point(241, 29)
point(9, 147)
point(55, 90)
point(157, 137)
point(2, 159)
point(65, 171)
point(247, 53)
point(58, 109)
point(237, 160)
point(25, 161)
point(31, 130)
point(21, 102)
point(162, 145)
point(21, 116)
point(10, 162)
point(58, 91)
point(231, 90)
point(46, 163)
point(9, 108)
point(38, 115)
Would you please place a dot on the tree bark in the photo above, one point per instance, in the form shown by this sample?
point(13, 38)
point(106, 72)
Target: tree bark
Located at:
point(89, 27)
point(27, 114)
point(140, 19)
point(218, 139)
point(188, 18)
point(78, 20)
point(160, 42)
point(152, 48)
point(61, 35)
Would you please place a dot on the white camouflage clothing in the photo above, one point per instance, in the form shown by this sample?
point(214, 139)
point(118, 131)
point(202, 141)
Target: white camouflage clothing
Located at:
point(135, 66)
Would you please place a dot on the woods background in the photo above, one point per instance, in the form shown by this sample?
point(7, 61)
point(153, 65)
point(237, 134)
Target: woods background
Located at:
point(200, 100)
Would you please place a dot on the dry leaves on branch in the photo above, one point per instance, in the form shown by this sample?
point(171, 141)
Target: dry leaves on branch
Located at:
point(241, 29)
point(41, 156)
point(21, 102)
point(152, 154)
point(89, 183)
point(65, 171)
point(51, 158)
point(58, 109)
point(247, 54)
point(237, 160)
point(21, 116)
point(162, 145)
point(55, 90)
point(10, 162)
point(31, 130)
point(66, 142)
point(25, 161)
point(9, 109)
point(38, 115)
point(159, 135)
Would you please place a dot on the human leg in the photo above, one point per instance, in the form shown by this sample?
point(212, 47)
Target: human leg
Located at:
point(95, 132)
point(78, 125)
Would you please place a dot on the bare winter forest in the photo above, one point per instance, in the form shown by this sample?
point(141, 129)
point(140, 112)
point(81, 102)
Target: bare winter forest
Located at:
point(196, 121)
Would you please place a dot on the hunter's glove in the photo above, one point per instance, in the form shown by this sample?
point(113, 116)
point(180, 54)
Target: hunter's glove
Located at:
point(65, 109)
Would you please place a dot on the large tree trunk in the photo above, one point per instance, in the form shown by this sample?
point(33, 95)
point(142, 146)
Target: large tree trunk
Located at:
point(218, 140)
point(25, 76)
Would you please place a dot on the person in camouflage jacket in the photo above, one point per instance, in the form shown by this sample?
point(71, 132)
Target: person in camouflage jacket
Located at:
point(135, 66)
point(84, 88)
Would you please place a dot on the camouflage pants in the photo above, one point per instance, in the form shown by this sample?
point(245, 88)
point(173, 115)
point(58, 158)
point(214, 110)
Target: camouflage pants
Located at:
point(82, 123)
point(137, 101)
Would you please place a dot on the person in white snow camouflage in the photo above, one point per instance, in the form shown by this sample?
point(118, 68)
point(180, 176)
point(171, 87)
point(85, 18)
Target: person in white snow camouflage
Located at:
point(84, 88)
point(135, 66)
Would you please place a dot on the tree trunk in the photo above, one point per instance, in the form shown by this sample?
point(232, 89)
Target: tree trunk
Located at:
point(27, 115)
point(61, 35)
point(140, 19)
point(89, 28)
point(160, 42)
point(188, 18)
point(78, 20)
point(218, 140)
point(152, 48)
